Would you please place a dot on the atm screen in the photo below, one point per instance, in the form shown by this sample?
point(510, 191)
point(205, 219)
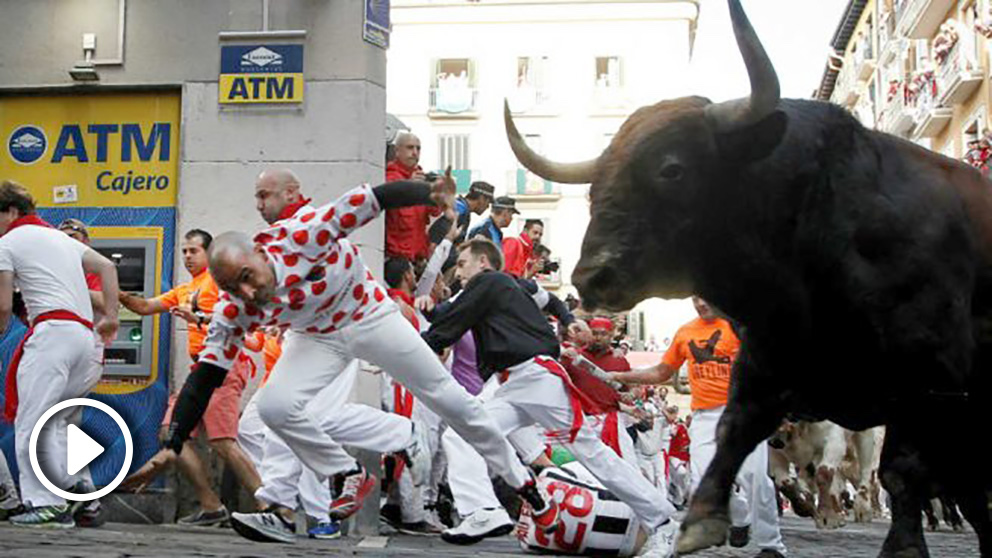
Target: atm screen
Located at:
point(130, 354)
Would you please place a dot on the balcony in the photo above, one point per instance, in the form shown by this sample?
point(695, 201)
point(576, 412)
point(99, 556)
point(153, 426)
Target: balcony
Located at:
point(929, 116)
point(453, 102)
point(919, 19)
point(847, 90)
point(864, 59)
point(886, 30)
point(864, 111)
point(897, 116)
point(958, 76)
point(530, 185)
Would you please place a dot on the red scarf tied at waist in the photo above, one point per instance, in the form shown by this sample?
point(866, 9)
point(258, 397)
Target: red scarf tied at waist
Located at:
point(575, 397)
point(10, 407)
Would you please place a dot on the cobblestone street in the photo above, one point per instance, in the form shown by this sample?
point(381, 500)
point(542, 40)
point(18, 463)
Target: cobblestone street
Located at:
point(803, 539)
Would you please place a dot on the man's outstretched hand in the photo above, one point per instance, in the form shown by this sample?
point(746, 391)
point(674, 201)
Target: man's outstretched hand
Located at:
point(443, 190)
point(147, 473)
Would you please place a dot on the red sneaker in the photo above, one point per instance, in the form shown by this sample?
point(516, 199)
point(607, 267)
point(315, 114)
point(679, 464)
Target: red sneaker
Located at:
point(357, 486)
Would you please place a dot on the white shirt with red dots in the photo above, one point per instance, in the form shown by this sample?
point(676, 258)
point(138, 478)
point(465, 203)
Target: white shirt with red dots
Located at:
point(322, 285)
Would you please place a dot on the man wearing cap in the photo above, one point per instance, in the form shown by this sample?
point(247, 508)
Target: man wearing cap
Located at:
point(504, 207)
point(478, 200)
point(406, 227)
point(519, 250)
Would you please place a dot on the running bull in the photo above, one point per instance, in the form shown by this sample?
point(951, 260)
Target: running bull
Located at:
point(844, 254)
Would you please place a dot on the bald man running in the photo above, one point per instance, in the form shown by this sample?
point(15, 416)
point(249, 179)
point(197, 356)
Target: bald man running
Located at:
point(304, 274)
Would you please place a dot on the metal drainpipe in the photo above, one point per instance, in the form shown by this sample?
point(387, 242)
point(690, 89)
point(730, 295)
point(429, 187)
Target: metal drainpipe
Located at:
point(265, 15)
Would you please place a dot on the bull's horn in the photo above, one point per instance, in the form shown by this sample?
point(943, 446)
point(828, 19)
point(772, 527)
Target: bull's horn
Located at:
point(738, 113)
point(564, 173)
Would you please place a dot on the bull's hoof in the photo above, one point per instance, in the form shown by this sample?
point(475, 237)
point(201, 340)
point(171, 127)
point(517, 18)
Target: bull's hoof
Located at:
point(829, 522)
point(703, 533)
point(905, 553)
point(862, 511)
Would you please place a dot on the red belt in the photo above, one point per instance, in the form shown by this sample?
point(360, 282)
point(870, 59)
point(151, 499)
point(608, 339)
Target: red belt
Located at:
point(575, 397)
point(611, 432)
point(10, 407)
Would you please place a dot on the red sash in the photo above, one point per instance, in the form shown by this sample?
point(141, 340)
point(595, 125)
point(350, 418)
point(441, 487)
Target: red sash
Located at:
point(575, 397)
point(611, 432)
point(10, 408)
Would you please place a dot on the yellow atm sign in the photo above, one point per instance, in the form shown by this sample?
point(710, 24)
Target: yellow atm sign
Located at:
point(97, 150)
point(261, 74)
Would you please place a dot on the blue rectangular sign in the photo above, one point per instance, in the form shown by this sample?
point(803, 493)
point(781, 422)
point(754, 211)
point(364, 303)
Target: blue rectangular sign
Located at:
point(261, 59)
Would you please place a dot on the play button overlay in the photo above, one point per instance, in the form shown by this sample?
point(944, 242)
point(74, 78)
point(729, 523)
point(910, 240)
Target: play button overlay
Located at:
point(81, 449)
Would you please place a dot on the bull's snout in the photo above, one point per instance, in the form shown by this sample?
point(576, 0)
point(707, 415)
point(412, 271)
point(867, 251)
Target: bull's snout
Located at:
point(776, 442)
point(597, 282)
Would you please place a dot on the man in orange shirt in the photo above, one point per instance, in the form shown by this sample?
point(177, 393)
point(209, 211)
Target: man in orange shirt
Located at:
point(518, 251)
point(710, 346)
point(194, 303)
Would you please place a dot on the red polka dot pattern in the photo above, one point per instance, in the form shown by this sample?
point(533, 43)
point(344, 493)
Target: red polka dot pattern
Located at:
point(323, 237)
point(292, 280)
point(357, 200)
point(301, 237)
point(230, 352)
point(291, 259)
point(318, 288)
point(358, 291)
point(230, 312)
point(308, 217)
point(348, 220)
point(328, 216)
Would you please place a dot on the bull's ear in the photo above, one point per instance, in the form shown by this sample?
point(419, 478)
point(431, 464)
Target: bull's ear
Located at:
point(754, 142)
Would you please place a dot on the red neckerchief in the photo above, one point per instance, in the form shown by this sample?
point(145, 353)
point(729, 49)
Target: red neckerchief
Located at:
point(402, 295)
point(292, 208)
point(29, 219)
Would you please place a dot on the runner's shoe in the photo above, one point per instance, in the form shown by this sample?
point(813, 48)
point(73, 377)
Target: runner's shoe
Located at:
point(356, 486)
point(264, 526)
point(51, 517)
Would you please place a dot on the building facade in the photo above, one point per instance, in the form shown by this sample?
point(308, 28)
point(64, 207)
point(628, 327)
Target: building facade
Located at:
point(147, 119)
point(571, 72)
point(918, 69)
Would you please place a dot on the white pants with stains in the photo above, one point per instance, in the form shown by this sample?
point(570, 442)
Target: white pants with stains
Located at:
point(62, 360)
point(532, 395)
point(753, 500)
point(310, 362)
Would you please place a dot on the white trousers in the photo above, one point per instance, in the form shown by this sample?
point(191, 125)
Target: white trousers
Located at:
point(653, 467)
point(753, 500)
point(314, 496)
point(466, 468)
point(532, 395)
point(61, 360)
point(627, 450)
point(346, 424)
point(310, 362)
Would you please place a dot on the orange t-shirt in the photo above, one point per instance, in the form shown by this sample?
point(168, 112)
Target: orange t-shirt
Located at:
point(182, 294)
point(710, 346)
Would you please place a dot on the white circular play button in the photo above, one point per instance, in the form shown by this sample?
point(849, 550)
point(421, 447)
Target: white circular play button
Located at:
point(81, 449)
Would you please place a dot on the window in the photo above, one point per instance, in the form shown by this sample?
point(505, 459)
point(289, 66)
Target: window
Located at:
point(530, 86)
point(453, 86)
point(453, 150)
point(609, 72)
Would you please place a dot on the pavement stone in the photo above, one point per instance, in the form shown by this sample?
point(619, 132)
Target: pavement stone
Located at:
point(145, 541)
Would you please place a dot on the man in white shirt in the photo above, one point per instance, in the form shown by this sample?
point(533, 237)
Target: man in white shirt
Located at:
point(59, 358)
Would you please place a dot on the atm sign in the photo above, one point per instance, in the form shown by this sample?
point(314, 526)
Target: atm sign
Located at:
point(261, 74)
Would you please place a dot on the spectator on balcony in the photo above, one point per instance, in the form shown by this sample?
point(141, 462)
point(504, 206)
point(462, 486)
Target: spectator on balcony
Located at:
point(503, 209)
point(518, 252)
point(406, 227)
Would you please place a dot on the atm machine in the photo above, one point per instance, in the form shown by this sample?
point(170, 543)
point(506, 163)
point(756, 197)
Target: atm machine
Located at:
point(130, 354)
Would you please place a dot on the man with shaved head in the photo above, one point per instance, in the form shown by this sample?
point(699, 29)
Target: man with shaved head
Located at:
point(406, 227)
point(304, 275)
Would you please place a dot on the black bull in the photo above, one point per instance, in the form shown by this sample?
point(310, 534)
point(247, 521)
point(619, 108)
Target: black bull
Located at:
point(852, 260)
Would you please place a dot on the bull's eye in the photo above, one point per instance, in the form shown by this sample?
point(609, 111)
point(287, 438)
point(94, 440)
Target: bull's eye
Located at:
point(671, 172)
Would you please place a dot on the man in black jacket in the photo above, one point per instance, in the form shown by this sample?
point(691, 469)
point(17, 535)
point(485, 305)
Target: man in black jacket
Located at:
point(517, 347)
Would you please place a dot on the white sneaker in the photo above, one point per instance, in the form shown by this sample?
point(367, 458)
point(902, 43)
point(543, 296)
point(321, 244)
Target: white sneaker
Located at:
point(661, 543)
point(483, 523)
point(418, 456)
point(266, 526)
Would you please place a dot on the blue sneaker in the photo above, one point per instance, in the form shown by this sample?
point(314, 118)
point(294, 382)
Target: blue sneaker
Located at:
point(325, 530)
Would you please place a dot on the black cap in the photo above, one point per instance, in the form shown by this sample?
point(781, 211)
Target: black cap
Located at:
point(483, 188)
point(506, 202)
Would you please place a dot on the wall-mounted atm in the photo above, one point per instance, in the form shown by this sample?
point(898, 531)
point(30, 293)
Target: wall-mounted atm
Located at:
point(130, 354)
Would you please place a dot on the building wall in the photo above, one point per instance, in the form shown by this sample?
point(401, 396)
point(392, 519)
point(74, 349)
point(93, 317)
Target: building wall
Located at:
point(652, 39)
point(334, 139)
